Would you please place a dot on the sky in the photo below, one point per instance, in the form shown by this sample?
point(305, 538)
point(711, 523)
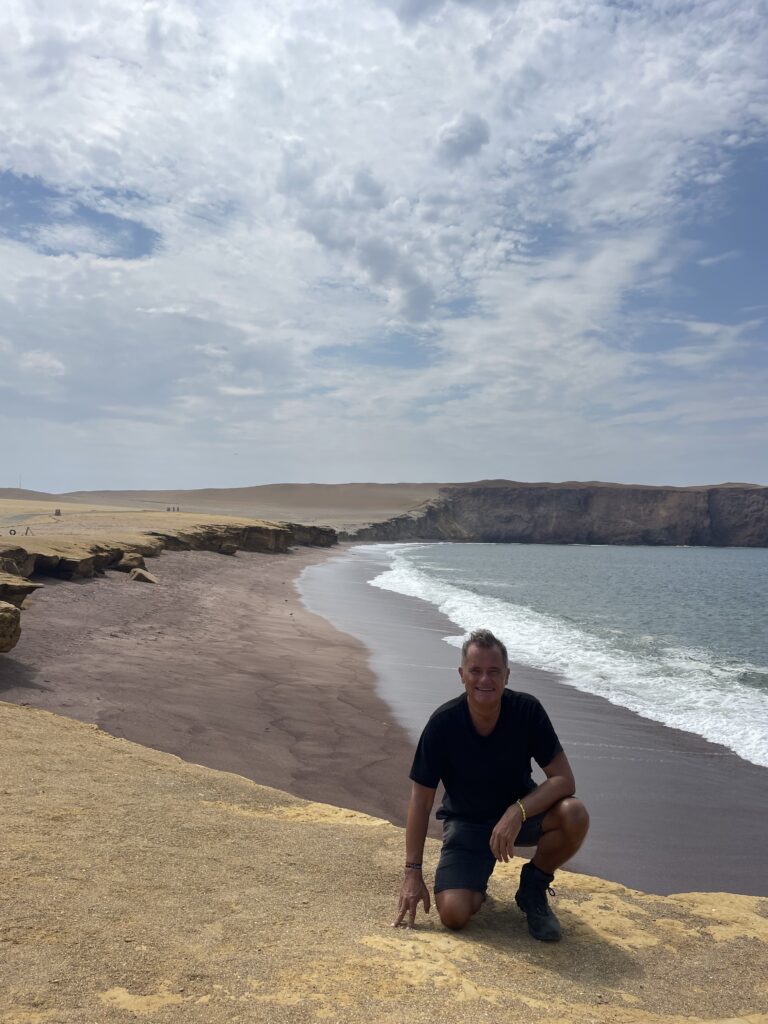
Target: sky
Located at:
point(427, 240)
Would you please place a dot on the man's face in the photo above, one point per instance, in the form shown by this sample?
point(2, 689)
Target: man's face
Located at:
point(484, 676)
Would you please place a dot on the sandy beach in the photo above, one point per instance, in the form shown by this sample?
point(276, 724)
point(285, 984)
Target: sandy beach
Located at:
point(222, 665)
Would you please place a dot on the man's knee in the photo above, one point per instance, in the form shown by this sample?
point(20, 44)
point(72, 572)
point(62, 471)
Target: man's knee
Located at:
point(574, 817)
point(456, 907)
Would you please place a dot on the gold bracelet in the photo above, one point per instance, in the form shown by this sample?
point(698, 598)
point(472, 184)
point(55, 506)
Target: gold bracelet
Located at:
point(522, 810)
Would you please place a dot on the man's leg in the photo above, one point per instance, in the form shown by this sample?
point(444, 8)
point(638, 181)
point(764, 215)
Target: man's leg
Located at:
point(563, 829)
point(466, 863)
point(456, 906)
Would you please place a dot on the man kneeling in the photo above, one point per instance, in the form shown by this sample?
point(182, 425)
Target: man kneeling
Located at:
point(480, 746)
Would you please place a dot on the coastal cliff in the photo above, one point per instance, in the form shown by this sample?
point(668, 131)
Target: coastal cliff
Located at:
point(503, 511)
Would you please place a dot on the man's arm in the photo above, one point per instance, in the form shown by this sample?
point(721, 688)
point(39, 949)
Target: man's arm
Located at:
point(558, 784)
point(413, 889)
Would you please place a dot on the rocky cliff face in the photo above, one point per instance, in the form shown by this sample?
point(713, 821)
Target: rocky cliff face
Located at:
point(575, 513)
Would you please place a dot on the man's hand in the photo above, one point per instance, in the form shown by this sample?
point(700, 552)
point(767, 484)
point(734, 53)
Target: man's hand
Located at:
point(412, 892)
point(505, 833)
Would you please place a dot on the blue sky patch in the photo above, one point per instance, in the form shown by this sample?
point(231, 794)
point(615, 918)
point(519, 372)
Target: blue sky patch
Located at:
point(56, 223)
point(398, 350)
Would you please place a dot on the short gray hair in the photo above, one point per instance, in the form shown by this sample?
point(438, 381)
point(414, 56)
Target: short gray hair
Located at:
point(486, 639)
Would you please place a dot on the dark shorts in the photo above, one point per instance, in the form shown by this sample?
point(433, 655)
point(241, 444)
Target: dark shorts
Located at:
point(466, 861)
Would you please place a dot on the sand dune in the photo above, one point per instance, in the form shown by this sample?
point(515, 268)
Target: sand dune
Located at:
point(342, 506)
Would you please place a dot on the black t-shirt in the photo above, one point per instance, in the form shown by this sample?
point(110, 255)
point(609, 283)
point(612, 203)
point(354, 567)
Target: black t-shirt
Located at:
point(483, 775)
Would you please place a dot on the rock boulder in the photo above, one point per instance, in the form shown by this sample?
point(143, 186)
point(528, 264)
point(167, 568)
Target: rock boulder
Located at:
point(142, 576)
point(10, 626)
point(130, 560)
point(14, 589)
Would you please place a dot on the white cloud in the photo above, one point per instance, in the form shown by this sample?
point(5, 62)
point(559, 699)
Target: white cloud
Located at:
point(240, 392)
point(491, 185)
point(44, 364)
point(712, 261)
point(462, 137)
point(74, 239)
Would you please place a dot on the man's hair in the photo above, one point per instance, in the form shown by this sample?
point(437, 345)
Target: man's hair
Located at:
point(483, 638)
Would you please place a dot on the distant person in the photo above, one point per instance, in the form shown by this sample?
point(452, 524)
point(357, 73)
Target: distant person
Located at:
point(480, 746)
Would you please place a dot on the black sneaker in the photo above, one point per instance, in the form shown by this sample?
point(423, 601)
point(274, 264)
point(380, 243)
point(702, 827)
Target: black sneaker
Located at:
point(531, 897)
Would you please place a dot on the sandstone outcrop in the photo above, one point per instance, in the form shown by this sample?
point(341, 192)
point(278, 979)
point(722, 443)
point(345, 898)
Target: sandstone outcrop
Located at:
point(15, 589)
point(66, 557)
point(130, 560)
point(75, 557)
point(10, 626)
point(16, 561)
point(504, 511)
point(142, 576)
point(268, 537)
point(312, 536)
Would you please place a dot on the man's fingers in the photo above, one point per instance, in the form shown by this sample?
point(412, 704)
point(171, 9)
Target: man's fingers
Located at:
point(500, 848)
point(409, 905)
point(401, 911)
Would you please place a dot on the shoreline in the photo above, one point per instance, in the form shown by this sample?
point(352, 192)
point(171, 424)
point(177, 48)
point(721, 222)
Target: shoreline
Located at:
point(653, 792)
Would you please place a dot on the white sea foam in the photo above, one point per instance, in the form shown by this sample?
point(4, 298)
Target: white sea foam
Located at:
point(682, 688)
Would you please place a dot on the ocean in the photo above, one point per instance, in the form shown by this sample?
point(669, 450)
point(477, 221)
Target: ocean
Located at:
point(678, 635)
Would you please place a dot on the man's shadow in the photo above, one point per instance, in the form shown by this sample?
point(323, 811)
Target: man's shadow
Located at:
point(583, 956)
point(17, 681)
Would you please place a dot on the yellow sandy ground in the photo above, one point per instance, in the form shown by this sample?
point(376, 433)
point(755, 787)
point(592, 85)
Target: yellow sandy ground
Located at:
point(72, 533)
point(138, 887)
point(95, 522)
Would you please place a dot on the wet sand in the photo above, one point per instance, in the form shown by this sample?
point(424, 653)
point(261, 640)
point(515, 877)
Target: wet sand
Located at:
point(670, 812)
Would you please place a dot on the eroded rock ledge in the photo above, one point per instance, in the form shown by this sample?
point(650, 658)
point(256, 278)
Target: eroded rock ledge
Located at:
point(76, 557)
point(14, 590)
point(729, 515)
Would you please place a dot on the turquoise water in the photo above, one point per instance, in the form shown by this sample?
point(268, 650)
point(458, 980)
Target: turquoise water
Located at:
point(679, 635)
